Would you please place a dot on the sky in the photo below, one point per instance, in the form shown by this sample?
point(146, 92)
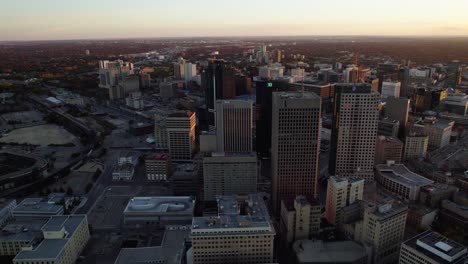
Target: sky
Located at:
point(103, 19)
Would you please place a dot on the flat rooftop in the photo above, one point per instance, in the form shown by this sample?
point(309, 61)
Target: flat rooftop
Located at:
point(37, 206)
point(237, 214)
point(52, 248)
point(313, 251)
point(438, 247)
point(23, 230)
point(401, 174)
point(169, 252)
point(161, 205)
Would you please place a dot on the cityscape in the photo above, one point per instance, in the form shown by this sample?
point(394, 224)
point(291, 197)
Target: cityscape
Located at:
point(239, 142)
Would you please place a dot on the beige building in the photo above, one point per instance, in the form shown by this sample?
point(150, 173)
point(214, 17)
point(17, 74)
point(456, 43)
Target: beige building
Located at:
point(399, 180)
point(158, 167)
point(180, 129)
point(234, 121)
point(229, 174)
point(300, 218)
point(341, 191)
point(388, 148)
point(295, 145)
point(381, 227)
point(438, 131)
point(242, 232)
point(64, 237)
point(432, 248)
point(415, 147)
point(354, 131)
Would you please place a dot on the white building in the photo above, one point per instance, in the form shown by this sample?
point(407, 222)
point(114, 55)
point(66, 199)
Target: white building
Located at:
point(390, 89)
point(340, 193)
point(272, 71)
point(190, 71)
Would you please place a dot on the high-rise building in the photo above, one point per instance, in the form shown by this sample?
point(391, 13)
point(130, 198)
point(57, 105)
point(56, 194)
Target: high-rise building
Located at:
point(229, 174)
point(179, 70)
point(234, 126)
point(190, 70)
point(160, 133)
point(388, 149)
point(271, 72)
point(432, 248)
point(180, 129)
point(415, 147)
point(390, 89)
point(300, 218)
point(264, 96)
point(243, 84)
point(388, 127)
point(398, 109)
point(340, 193)
point(111, 71)
point(218, 82)
point(242, 232)
point(295, 145)
point(354, 131)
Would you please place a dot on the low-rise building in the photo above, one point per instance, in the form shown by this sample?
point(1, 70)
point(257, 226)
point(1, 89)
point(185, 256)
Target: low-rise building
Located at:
point(388, 149)
point(185, 179)
point(300, 218)
point(432, 248)
point(438, 131)
point(6, 207)
point(457, 104)
point(242, 232)
point(388, 127)
point(64, 237)
point(159, 211)
point(158, 167)
point(20, 233)
point(433, 195)
point(415, 147)
point(320, 252)
point(399, 180)
point(37, 208)
point(420, 217)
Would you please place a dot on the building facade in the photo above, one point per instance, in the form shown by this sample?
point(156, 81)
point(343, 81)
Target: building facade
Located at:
point(415, 147)
point(300, 218)
point(180, 129)
point(234, 121)
point(388, 149)
point(341, 191)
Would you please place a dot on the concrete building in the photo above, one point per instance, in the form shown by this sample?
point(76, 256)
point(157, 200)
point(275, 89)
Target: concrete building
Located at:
point(457, 104)
point(271, 72)
point(166, 90)
point(438, 131)
point(340, 193)
point(300, 218)
point(432, 248)
point(415, 147)
point(295, 145)
point(229, 174)
point(354, 131)
point(179, 70)
point(242, 232)
point(234, 121)
point(388, 127)
point(127, 84)
point(323, 89)
point(31, 208)
point(186, 179)
point(398, 109)
point(160, 133)
point(433, 195)
point(159, 211)
point(381, 227)
point(388, 149)
point(180, 129)
point(158, 167)
point(20, 233)
point(6, 207)
point(399, 180)
point(64, 237)
point(135, 101)
point(190, 70)
point(320, 252)
point(111, 72)
point(390, 89)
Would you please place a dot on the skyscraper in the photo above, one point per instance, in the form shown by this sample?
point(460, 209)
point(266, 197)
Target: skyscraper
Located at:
point(354, 131)
point(295, 145)
point(218, 83)
point(180, 129)
point(234, 126)
point(398, 109)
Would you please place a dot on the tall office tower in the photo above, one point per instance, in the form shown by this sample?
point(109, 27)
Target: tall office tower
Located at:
point(295, 145)
point(390, 89)
point(383, 228)
point(432, 248)
point(180, 129)
point(229, 174)
point(300, 218)
point(179, 70)
point(234, 126)
point(415, 147)
point(160, 132)
point(190, 70)
point(243, 84)
point(354, 131)
point(242, 232)
point(109, 72)
point(340, 193)
point(264, 97)
point(388, 149)
point(218, 82)
point(398, 109)
point(387, 71)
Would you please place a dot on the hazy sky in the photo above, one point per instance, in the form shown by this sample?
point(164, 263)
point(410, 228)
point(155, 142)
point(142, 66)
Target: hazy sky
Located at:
point(91, 19)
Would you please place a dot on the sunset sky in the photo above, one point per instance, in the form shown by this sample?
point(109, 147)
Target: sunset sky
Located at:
point(99, 19)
